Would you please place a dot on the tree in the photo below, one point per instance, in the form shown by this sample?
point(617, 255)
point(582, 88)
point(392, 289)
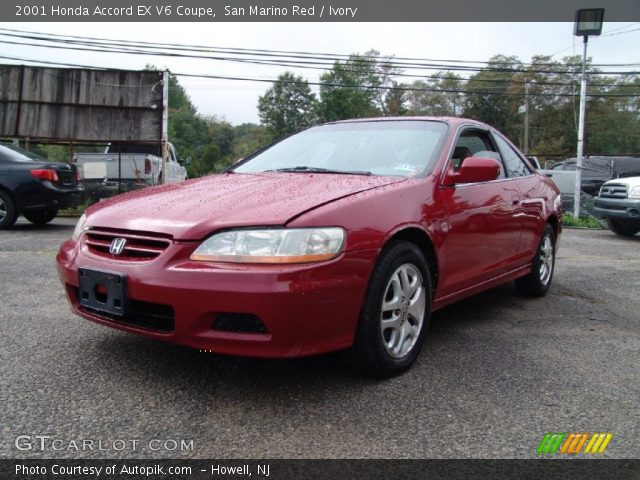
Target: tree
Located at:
point(221, 133)
point(395, 101)
point(440, 96)
point(206, 162)
point(288, 106)
point(487, 98)
point(249, 137)
point(355, 88)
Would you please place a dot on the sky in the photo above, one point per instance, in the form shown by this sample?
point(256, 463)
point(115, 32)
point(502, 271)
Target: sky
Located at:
point(237, 101)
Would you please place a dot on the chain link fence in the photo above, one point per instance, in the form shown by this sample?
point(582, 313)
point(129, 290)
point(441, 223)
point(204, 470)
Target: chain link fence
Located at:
point(105, 175)
point(596, 170)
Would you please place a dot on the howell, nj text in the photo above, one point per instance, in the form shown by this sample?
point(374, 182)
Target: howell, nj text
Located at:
point(245, 470)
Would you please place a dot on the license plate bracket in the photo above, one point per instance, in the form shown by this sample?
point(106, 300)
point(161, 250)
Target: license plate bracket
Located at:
point(102, 291)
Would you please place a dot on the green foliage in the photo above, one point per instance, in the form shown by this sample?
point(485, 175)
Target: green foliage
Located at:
point(221, 133)
point(446, 100)
point(249, 138)
point(211, 142)
point(586, 222)
point(206, 162)
point(288, 106)
point(395, 101)
point(496, 110)
point(346, 90)
point(358, 87)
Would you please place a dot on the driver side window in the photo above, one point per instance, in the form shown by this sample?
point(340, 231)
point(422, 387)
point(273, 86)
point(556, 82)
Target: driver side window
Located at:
point(475, 143)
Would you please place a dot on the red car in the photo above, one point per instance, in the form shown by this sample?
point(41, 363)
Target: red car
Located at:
point(343, 236)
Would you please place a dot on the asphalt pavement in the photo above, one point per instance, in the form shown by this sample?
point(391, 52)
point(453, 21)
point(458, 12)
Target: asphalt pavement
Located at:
point(497, 372)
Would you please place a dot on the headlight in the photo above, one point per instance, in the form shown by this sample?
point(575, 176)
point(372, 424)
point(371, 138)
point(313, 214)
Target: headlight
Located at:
point(79, 228)
point(634, 192)
point(277, 245)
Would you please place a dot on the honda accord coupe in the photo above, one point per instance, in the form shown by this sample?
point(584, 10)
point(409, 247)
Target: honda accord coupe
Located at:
point(344, 236)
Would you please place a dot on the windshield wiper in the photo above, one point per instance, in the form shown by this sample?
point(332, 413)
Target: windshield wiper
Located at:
point(305, 169)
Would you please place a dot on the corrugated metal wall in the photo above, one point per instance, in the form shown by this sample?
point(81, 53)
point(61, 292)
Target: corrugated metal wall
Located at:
point(80, 105)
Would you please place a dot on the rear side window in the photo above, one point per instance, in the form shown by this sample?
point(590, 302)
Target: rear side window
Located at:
point(513, 163)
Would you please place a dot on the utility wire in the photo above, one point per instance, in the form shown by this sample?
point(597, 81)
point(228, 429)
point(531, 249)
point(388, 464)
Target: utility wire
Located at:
point(266, 52)
point(338, 85)
point(380, 62)
point(120, 50)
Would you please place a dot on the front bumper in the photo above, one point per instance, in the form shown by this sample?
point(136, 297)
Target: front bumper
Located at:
point(618, 208)
point(306, 309)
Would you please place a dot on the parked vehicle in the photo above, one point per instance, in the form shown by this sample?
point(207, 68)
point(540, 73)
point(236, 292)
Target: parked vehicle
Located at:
point(33, 186)
point(598, 169)
point(343, 236)
point(126, 166)
point(619, 203)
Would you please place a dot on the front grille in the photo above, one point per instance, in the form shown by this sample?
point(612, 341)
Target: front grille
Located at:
point(152, 316)
point(614, 191)
point(139, 246)
point(239, 323)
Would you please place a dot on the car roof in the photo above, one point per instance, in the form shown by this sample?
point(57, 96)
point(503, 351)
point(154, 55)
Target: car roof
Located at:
point(450, 120)
point(13, 153)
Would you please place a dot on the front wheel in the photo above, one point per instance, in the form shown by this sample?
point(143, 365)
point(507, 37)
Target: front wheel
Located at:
point(538, 281)
point(622, 229)
point(41, 216)
point(395, 313)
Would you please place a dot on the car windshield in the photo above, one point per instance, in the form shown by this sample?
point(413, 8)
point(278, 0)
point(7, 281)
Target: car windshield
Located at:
point(19, 154)
point(404, 148)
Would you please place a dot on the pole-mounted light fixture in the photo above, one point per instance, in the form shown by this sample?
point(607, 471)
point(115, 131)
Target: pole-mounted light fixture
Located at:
point(588, 22)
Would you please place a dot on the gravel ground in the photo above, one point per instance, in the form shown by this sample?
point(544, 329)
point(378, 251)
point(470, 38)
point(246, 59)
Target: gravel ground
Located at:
point(497, 372)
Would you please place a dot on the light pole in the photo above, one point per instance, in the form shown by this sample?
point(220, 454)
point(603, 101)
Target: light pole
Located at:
point(588, 22)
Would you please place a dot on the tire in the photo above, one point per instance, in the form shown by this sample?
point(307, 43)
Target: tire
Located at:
point(42, 216)
point(399, 293)
point(8, 212)
point(622, 229)
point(538, 281)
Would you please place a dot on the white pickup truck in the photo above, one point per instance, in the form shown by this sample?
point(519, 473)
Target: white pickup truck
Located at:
point(126, 166)
point(619, 203)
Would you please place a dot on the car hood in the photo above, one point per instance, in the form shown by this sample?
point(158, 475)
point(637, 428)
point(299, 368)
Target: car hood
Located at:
point(193, 209)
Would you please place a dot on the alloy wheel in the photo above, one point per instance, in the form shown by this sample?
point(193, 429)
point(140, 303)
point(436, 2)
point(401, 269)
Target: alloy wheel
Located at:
point(403, 309)
point(3, 209)
point(546, 259)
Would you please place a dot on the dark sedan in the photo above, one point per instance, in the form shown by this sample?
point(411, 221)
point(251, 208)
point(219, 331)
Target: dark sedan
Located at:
point(34, 187)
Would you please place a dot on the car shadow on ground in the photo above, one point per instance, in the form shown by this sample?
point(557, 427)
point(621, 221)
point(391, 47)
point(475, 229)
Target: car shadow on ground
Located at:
point(24, 226)
point(180, 365)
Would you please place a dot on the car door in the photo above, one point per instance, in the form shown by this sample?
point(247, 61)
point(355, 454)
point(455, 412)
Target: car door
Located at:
point(172, 166)
point(483, 225)
point(532, 201)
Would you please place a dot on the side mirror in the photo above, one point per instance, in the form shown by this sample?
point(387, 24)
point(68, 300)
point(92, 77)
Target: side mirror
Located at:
point(187, 161)
point(473, 170)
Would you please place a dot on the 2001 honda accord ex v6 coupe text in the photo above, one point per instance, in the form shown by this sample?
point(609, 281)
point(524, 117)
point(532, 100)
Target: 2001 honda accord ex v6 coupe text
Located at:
point(345, 236)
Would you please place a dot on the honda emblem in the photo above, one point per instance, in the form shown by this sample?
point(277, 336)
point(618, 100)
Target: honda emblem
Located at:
point(117, 246)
